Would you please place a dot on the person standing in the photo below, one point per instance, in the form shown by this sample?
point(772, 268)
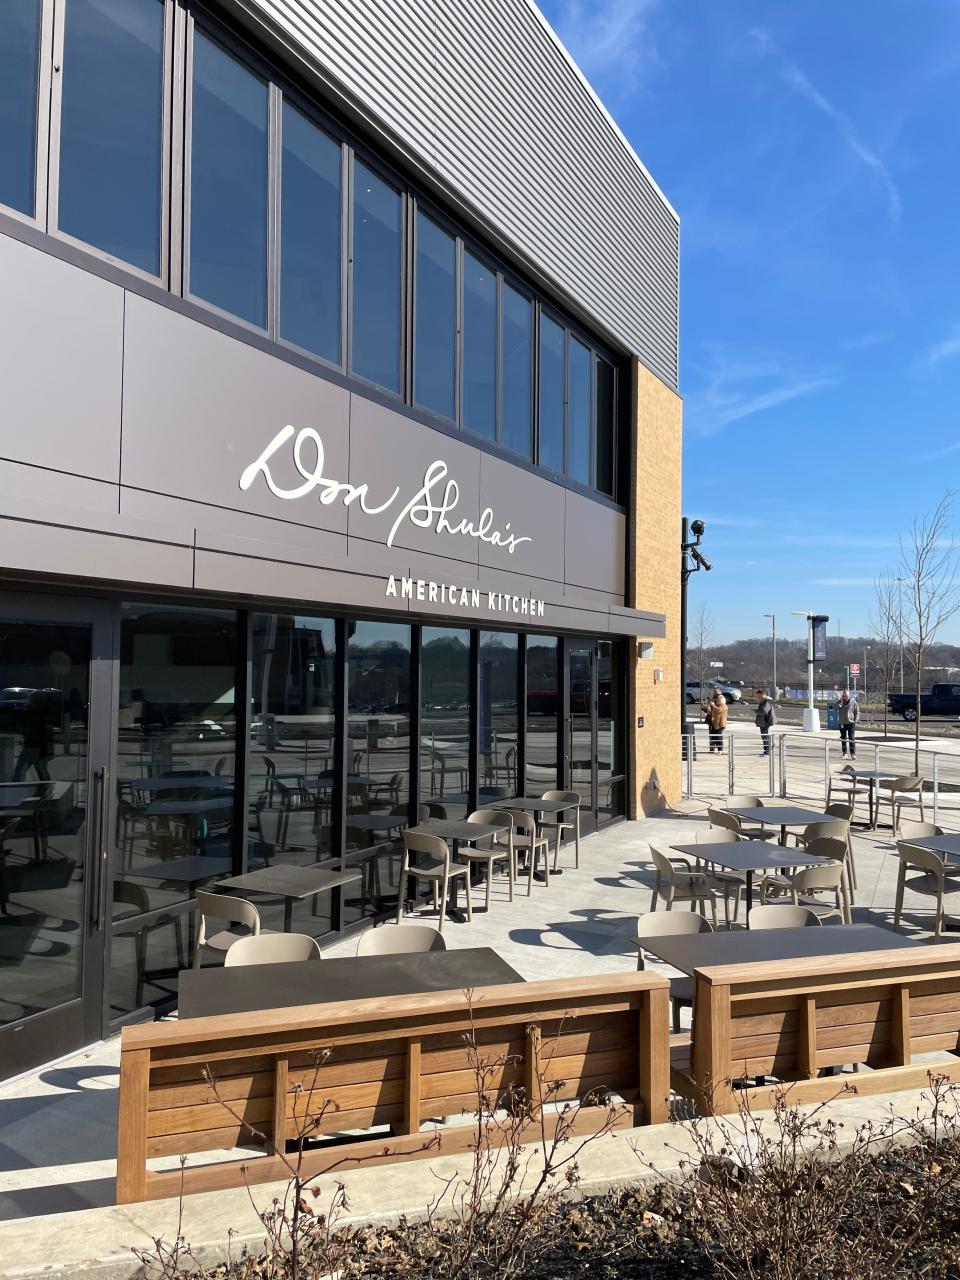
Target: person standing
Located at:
point(849, 716)
point(765, 719)
point(716, 718)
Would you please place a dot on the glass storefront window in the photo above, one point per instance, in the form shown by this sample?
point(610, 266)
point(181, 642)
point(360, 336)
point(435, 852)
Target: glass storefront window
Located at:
point(445, 722)
point(19, 80)
point(606, 426)
point(479, 346)
point(378, 763)
point(435, 319)
point(310, 236)
point(377, 276)
point(111, 127)
point(516, 390)
point(176, 748)
point(498, 712)
point(291, 790)
point(611, 761)
point(551, 394)
point(578, 411)
point(228, 184)
point(543, 714)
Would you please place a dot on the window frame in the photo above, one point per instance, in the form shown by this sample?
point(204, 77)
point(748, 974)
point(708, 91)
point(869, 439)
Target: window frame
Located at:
point(419, 207)
point(44, 131)
point(166, 146)
point(467, 246)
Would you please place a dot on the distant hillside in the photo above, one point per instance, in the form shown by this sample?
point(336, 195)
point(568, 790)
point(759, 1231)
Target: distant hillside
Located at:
point(752, 661)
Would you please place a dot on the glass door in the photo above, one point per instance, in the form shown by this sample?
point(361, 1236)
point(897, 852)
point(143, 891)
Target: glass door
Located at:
point(55, 673)
point(594, 743)
point(581, 730)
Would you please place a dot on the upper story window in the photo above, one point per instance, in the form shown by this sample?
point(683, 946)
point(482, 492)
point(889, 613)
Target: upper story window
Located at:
point(111, 128)
point(377, 264)
point(162, 141)
point(228, 183)
point(310, 236)
point(19, 82)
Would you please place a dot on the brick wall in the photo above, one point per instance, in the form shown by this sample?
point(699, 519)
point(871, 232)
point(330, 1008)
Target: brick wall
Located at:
point(654, 576)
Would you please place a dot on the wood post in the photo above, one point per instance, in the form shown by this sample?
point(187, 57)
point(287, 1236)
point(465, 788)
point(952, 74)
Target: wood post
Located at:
point(281, 1084)
point(411, 1091)
point(900, 1026)
point(654, 1044)
point(532, 1069)
point(132, 1126)
point(807, 1037)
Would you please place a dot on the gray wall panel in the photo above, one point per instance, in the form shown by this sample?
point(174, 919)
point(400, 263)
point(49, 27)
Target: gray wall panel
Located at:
point(595, 545)
point(61, 359)
point(482, 97)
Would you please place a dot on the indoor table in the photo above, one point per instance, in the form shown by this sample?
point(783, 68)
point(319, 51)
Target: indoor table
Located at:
point(188, 871)
point(291, 883)
point(216, 989)
point(782, 816)
point(457, 830)
point(872, 777)
point(749, 856)
point(184, 782)
point(687, 952)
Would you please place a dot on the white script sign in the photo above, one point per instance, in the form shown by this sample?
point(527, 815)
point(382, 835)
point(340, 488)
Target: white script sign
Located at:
point(429, 508)
point(463, 597)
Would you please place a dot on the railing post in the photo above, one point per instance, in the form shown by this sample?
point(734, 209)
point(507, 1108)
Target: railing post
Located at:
point(876, 755)
point(731, 768)
point(826, 769)
point(690, 746)
point(936, 785)
point(773, 766)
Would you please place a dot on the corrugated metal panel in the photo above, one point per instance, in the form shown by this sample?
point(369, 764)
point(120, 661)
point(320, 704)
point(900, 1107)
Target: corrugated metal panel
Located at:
point(481, 92)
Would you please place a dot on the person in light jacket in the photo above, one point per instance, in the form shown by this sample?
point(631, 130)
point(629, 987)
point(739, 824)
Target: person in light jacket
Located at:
point(716, 718)
point(765, 718)
point(849, 716)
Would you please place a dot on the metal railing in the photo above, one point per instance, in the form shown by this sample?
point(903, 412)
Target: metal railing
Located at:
point(799, 767)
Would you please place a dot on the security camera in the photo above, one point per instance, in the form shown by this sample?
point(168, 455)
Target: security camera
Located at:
point(701, 560)
point(698, 528)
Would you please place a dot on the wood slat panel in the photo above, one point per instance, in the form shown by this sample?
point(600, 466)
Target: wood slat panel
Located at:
point(221, 1139)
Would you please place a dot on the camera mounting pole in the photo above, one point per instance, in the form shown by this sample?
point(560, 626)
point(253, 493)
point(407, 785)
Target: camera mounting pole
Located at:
point(691, 561)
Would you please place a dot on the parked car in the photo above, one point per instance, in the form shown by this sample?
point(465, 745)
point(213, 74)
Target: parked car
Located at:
point(696, 693)
point(942, 700)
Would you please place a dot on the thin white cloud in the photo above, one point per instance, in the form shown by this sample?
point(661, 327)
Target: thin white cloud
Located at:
point(936, 454)
point(607, 35)
point(733, 522)
point(740, 386)
point(843, 582)
point(864, 341)
point(801, 84)
point(838, 540)
point(945, 350)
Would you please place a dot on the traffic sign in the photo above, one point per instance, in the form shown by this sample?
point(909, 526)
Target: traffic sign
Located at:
point(854, 668)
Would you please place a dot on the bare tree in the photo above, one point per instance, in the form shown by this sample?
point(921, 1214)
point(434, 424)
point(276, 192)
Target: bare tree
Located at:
point(702, 643)
point(928, 566)
point(886, 628)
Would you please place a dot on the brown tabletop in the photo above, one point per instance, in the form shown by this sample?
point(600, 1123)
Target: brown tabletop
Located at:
point(290, 882)
point(702, 950)
point(244, 989)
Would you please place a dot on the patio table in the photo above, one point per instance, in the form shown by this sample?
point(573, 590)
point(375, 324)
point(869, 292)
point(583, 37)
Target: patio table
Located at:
point(703, 950)
point(290, 883)
point(215, 990)
point(872, 777)
point(782, 816)
point(948, 845)
point(456, 831)
point(749, 856)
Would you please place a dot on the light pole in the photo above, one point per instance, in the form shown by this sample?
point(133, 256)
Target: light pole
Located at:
point(691, 561)
point(773, 633)
point(811, 717)
point(866, 650)
point(900, 582)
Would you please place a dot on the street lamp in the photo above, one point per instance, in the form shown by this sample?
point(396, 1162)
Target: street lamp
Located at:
point(815, 652)
point(773, 632)
point(866, 650)
point(691, 561)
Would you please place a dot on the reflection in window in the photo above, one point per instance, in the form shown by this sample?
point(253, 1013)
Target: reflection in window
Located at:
point(19, 68)
point(111, 127)
point(499, 715)
point(378, 764)
point(551, 394)
point(445, 721)
point(291, 788)
point(377, 259)
point(543, 714)
point(611, 763)
point(435, 325)
point(44, 674)
point(310, 237)
point(606, 427)
point(578, 411)
point(228, 184)
point(176, 745)
point(479, 346)
point(516, 408)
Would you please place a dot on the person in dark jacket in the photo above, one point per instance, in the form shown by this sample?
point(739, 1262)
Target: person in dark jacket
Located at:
point(849, 717)
point(765, 718)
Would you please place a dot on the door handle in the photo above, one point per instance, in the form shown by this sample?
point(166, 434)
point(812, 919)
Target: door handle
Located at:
point(98, 905)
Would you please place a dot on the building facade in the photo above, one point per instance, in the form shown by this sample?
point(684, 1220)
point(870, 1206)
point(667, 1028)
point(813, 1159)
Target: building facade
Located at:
point(340, 465)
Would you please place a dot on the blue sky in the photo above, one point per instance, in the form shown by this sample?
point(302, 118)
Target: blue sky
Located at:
point(812, 151)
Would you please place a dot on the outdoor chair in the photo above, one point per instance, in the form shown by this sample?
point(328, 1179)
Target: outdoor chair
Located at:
point(845, 785)
point(435, 866)
point(910, 829)
point(905, 793)
point(833, 849)
point(934, 880)
point(774, 916)
point(273, 948)
point(387, 791)
point(730, 822)
point(137, 926)
point(560, 822)
point(659, 924)
point(400, 940)
point(809, 882)
point(241, 917)
point(489, 853)
point(525, 840)
point(732, 881)
point(833, 828)
point(842, 811)
point(676, 881)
